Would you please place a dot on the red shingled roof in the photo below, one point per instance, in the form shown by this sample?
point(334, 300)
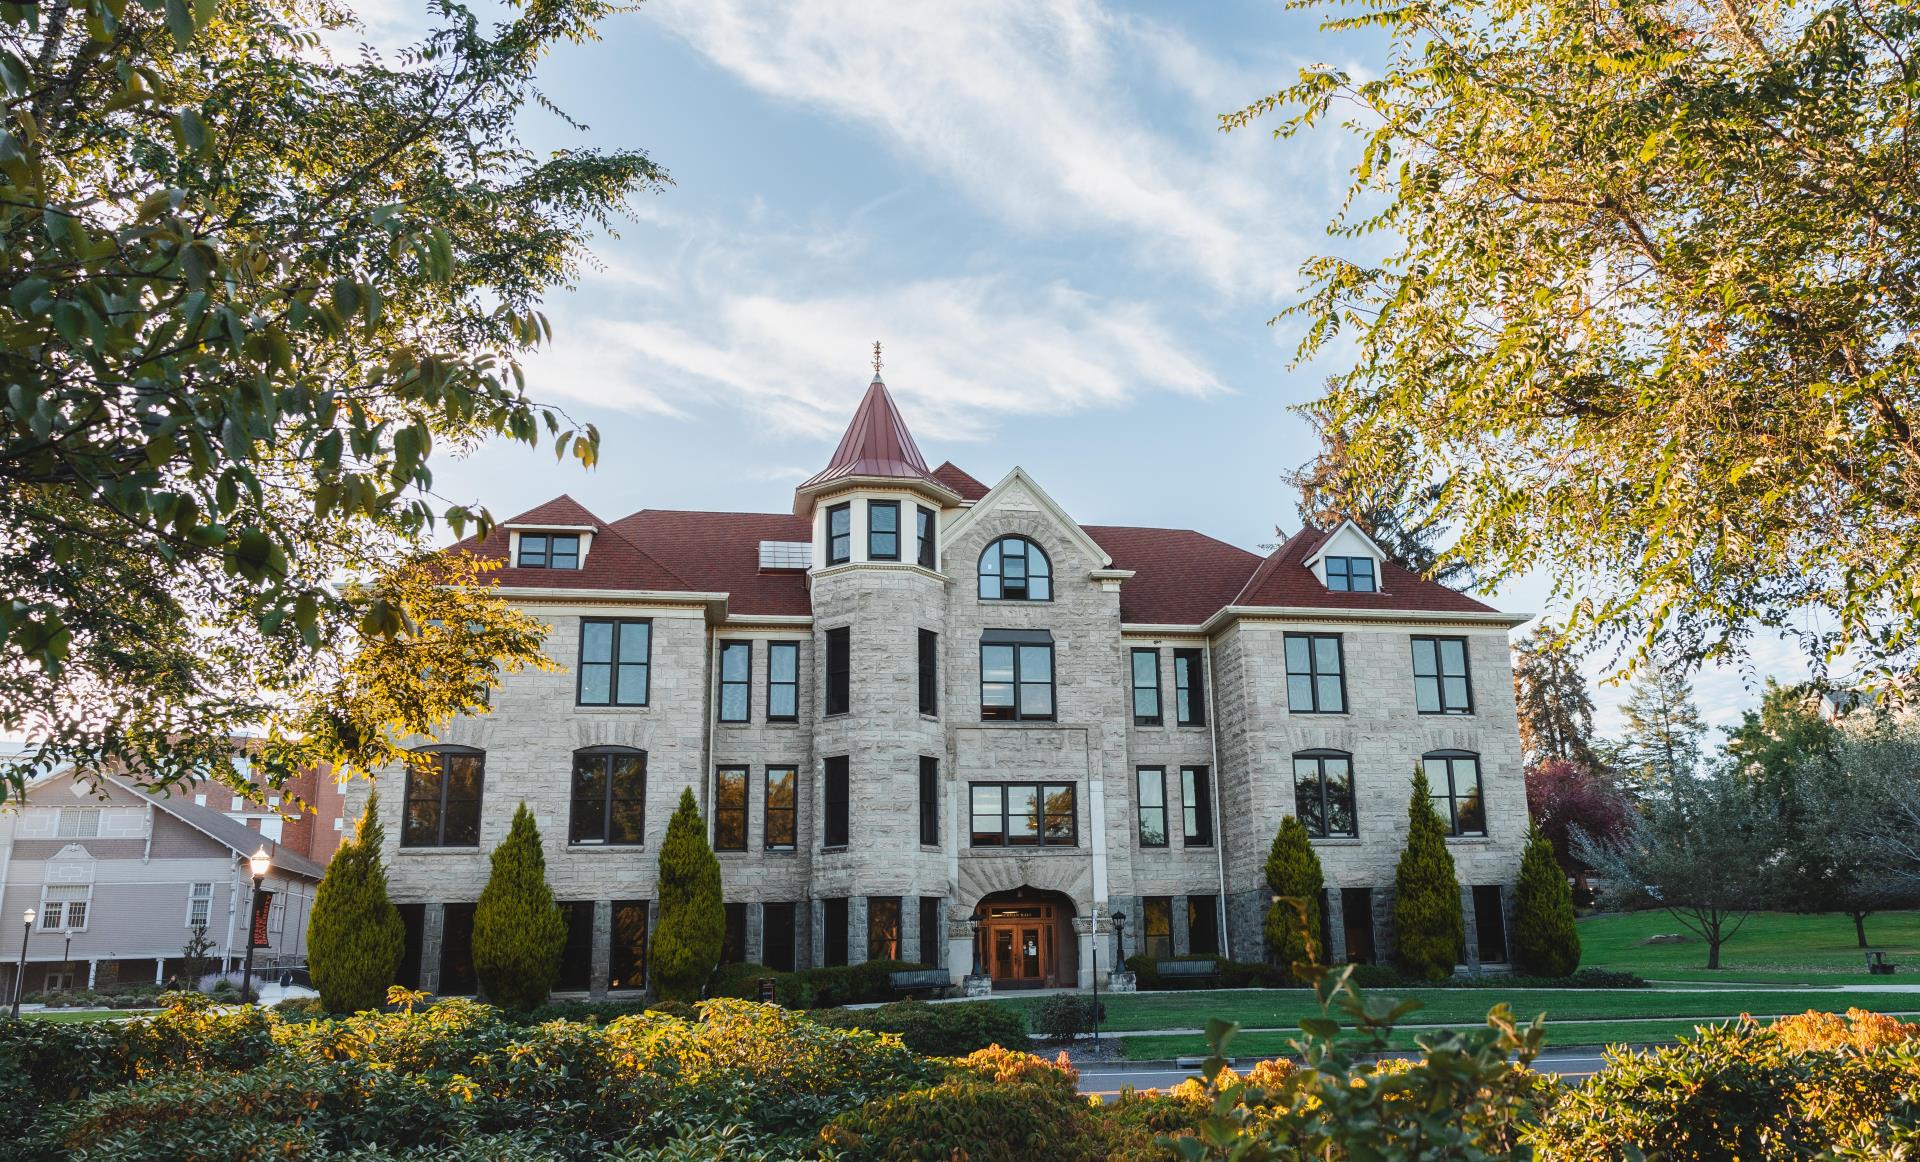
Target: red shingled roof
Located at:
point(876, 443)
point(1283, 579)
point(1180, 577)
point(950, 475)
point(613, 562)
point(720, 552)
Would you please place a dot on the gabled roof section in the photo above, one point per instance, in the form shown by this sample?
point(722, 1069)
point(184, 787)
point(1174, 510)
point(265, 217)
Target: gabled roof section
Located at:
point(612, 562)
point(232, 834)
point(1018, 479)
point(1284, 580)
point(950, 475)
point(1180, 577)
point(719, 552)
point(876, 443)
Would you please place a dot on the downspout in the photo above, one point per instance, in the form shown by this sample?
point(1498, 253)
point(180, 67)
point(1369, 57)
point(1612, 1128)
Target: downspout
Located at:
point(711, 711)
point(1219, 781)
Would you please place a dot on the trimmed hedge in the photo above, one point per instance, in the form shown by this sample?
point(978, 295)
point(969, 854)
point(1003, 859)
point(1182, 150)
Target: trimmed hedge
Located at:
point(813, 988)
point(1237, 974)
point(949, 1030)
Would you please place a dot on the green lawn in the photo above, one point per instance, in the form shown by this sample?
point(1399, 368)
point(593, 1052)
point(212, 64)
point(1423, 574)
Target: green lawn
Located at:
point(1771, 948)
point(1251, 1045)
point(83, 1014)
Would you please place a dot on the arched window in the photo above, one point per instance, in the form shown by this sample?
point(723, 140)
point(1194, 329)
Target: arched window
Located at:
point(1323, 794)
point(609, 796)
point(1015, 569)
point(1454, 776)
point(443, 797)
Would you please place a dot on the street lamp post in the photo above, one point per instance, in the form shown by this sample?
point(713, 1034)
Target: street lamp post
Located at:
point(20, 972)
point(1119, 922)
point(259, 863)
point(973, 926)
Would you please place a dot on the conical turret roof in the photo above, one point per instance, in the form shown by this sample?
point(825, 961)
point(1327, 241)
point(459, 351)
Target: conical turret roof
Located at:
point(877, 443)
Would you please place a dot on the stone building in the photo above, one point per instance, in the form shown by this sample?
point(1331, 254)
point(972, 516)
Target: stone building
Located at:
point(942, 722)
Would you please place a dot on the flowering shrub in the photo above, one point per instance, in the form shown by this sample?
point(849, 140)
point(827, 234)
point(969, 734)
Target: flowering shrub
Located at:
point(1859, 1029)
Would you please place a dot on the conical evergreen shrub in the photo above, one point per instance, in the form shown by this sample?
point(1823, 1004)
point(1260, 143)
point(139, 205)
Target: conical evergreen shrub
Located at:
point(1293, 871)
point(693, 920)
point(355, 937)
point(1545, 942)
point(1429, 928)
point(518, 932)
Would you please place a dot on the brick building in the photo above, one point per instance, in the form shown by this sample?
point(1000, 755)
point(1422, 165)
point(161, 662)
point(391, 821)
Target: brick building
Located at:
point(930, 719)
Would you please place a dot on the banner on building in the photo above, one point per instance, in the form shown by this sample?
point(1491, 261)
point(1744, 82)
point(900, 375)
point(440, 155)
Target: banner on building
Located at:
point(262, 909)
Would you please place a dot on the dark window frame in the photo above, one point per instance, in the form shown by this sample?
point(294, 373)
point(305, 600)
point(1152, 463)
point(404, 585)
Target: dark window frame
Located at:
point(1019, 641)
point(835, 952)
point(838, 688)
point(792, 686)
point(1440, 675)
point(790, 826)
point(874, 506)
point(1196, 808)
point(743, 685)
point(782, 961)
point(846, 554)
point(742, 813)
point(1141, 807)
point(929, 801)
point(440, 754)
point(1319, 756)
point(1041, 837)
point(1313, 673)
point(928, 669)
point(932, 930)
point(1157, 944)
point(1136, 689)
point(877, 936)
point(614, 662)
point(608, 797)
point(1346, 575)
point(1189, 687)
point(926, 532)
point(1027, 553)
point(836, 833)
point(1211, 910)
point(549, 552)
point(1451, 794)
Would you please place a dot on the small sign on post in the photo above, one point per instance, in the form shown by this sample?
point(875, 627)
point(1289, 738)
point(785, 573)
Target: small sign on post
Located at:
point(262, 910)
point(766, 990)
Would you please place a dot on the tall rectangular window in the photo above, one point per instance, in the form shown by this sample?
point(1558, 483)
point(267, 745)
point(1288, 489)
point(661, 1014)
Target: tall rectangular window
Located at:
point(839, 684)
point(883, 530)
point(1316, 683)
point(783, 681)
point(549, 551)
point(576, 955)
point(1196, 807)
point(929, 801)
point(780, 808)
point(443, 798)
point(834, 810)
point(609, 801)
point(1203, 925)
point(1455, 779)
point(1156, 927)
point(933, 933)
point(614, 659)
point(839, 534)
point(883, 927)
point(199, 905)
point(736, 681)
point(1351, 574)
point(1323, 794)
point(1189, 688)
point(1146, 687)
point(834, 930)
point(1152, 799)
point(733, 946)
point(1016, 674)
point(1023, 815)
point(627, 968)
point(1440, 684)
point(730, 809)
point(777, 931)
point(929, 672)
point(925, 528)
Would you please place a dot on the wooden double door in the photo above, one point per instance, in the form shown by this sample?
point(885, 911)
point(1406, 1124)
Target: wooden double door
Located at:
point(1019, 945)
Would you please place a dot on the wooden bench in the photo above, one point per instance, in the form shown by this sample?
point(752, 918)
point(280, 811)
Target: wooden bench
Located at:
point(1186, 970)
point(926, 980)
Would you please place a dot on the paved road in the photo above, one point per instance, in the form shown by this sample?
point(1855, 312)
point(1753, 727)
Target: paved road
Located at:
point(1106, 1080)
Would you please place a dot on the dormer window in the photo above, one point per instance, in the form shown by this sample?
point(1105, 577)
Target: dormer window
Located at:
point(549, 551)
point(1351, 575)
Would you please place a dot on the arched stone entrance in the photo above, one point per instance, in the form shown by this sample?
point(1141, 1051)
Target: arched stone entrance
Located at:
point(1026, 938)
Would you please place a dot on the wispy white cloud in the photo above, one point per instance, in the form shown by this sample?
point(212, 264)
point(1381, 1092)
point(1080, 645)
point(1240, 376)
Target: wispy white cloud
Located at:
point(1036, 110)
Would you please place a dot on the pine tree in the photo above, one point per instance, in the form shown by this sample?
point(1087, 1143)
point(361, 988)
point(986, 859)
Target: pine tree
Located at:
point(1555, 707)
point(1429, 928)
point(1400, 516)
point(518, 932)
point(1662, 740)
point(693, 918)
point(355, 938)
point(1293, 872)
point(1545, 942)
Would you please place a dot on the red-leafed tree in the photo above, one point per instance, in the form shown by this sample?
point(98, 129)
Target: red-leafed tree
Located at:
point(1564, 795)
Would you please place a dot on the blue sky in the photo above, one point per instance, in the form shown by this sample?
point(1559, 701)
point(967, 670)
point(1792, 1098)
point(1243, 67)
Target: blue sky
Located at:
point(1028, 201)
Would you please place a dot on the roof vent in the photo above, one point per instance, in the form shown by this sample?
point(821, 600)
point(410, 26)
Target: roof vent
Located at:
point(785, 554)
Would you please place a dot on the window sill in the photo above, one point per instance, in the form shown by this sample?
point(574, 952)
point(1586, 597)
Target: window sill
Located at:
point(601, 708)
point(731, 852)
point(724, 723)
point(783, 722)
point(780, 851)
point(1024, 851)
point(1338, 841)
point(835, 850)
point(610, 848)
point(1445, 713)
point(474, 850)
point(1470, 839)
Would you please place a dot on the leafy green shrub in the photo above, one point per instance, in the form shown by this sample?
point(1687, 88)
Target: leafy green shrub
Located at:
point(678, 1010)
point(693, 920)
point(741, 980)
point(1293, 872)
point(945, 1030)
point(355, 938)
point(600, 1012)
point(1544, 939)
point(1233, 974)
point(995, 1105)
point(301, 1009)
point(814, 988)
point(518, 932)
point(1429, 928)
point(1064, 1016)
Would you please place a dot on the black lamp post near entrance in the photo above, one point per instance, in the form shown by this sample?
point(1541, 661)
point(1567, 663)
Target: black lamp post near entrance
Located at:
point(20, 970)
point(259, 863)
point(973, 926)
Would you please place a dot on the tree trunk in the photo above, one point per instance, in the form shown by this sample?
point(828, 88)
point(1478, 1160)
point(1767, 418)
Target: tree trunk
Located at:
point(1860, 927)
point(1713, 948)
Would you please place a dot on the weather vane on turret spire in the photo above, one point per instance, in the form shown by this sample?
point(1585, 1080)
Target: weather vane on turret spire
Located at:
point(876, 358)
